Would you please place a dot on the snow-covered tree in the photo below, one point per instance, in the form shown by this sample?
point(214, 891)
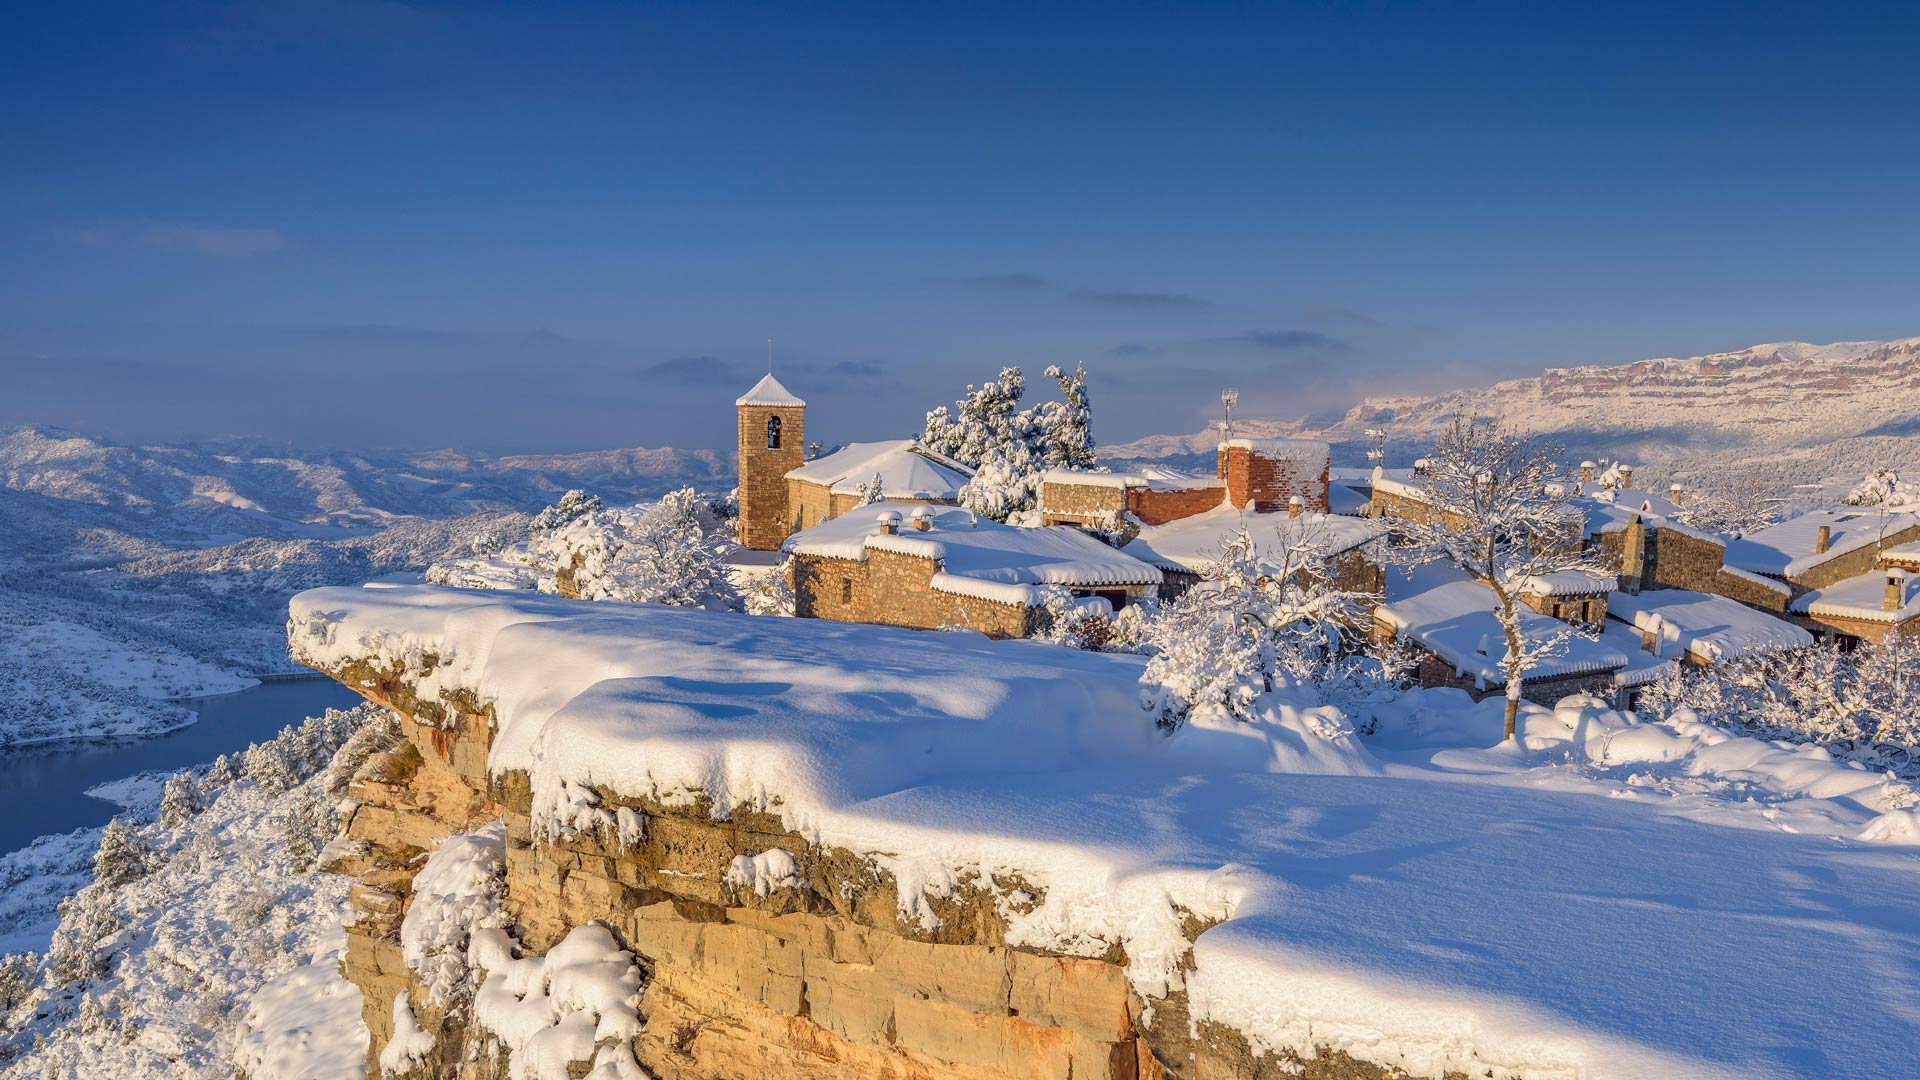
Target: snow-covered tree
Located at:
point(19, 978)
point(1885, 690)
point(572, 506)
point(218, 775)
point(1066, 426)
point(1494, 505)
point(86, 922)
point(1258, 618)
point(1735, 510)
point(1881, 488)
point(671, 552)
point(310, 823)
point(872, 491)
point(179, 799)
point(265, 765)
point(1010, 448)
point(769, 594)
point(123, 856)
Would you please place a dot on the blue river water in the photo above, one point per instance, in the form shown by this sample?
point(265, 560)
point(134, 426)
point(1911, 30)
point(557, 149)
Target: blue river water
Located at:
point(44, 789)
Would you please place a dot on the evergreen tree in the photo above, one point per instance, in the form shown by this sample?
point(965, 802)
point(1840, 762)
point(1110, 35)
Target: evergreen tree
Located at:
point(872, 491)
point(19, 978)
point(308, 827)
point(218, 775)
point(1066, 426)
point(179, 800)
point(264, 764)
point(86, 920)
point(123, 856)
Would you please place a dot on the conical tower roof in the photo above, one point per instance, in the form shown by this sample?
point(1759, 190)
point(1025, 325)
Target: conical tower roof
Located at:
point(768, 391)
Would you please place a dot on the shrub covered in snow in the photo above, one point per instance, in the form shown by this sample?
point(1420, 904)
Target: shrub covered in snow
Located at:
point(1249, 627)
point(669, 552)
point(1864, 705)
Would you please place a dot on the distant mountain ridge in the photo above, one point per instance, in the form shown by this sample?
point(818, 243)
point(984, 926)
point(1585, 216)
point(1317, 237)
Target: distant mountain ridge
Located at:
point(241, 488)
point(1814, 412)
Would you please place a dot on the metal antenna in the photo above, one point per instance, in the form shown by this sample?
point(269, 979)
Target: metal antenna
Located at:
point(1228, 399)
point(769, 356)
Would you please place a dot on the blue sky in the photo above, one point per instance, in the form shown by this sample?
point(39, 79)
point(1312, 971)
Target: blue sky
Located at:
point(570, 226)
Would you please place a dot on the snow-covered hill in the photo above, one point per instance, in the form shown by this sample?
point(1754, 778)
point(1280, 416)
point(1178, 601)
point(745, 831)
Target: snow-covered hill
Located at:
point(1810, 413)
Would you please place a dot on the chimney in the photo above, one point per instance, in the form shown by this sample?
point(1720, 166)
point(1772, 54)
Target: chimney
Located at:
point(1824, 540)
point(1626, 476)
point(1896, 597)
point(922, 518)
point(889, 522)
point(1293, 506)
point(1586, 471)
point(1675, 492)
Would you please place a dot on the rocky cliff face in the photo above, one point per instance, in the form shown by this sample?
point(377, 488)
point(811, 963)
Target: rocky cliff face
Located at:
point(758, 954)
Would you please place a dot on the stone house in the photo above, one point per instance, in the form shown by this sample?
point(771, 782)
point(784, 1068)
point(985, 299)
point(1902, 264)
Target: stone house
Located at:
point(1449, 618)
point(1872, 606)
point(826, 487)
point(927, 566)
point(1265, 475)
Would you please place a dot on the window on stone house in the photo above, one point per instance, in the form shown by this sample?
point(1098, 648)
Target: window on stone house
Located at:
point(773, 433)
point(846, 591)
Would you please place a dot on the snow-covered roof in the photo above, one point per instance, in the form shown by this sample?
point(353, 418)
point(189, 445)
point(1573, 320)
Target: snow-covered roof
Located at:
point(1864, 597)
point(1610, 510)
point(1349, 496)
point(1569, 583)
point(1712, 628)
point(907, 470)
point(1642, 667)
point(768, 391)
point(978, 557)
point(1308, 450)
point(1151, 477)
point(1188, 544)
point(1907, 555)
point(1451, 615)
point(1488, 946)
point(1788, 549)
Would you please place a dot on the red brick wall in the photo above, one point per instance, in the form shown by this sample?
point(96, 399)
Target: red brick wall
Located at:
point(1159, 507)
point(1271, 482)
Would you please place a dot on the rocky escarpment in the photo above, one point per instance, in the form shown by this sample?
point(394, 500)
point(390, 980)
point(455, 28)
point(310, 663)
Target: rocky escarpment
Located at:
point(760, 955)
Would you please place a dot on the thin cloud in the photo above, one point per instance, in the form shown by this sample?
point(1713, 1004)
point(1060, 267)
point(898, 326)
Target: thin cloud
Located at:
point(217, 240)
point(1006, 283)
point(1284, 340)
point(704, 371)
point(1140, 300)
point(1130, 348)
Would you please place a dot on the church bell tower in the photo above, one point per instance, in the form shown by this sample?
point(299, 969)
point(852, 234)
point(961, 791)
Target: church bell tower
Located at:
point(772, 443)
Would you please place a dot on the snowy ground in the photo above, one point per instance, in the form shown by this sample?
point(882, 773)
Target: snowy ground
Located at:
point(1607, 899)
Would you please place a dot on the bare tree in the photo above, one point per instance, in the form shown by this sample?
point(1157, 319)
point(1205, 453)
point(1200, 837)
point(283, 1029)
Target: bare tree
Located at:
point(1495, 505)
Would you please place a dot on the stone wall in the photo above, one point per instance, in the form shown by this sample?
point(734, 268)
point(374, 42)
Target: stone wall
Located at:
point(1080, 504)
point(764, 516)
point(1863, 629)
point(893, 589)
point(810, 503)
point(820, 978)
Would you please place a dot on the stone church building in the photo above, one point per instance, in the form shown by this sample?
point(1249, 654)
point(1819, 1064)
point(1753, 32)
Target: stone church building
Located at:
point(781, 492)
